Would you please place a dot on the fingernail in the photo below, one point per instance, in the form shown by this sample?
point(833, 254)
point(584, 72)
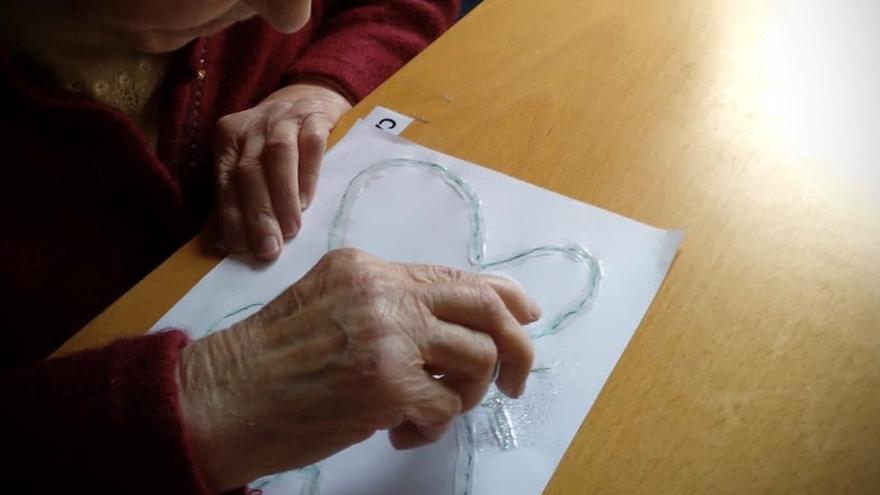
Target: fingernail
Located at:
point(496, 371)
point(521, 390)
point(268, 245)
point(303, 202)
point(535, 310)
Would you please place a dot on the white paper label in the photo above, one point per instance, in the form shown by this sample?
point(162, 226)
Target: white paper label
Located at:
point(388, 120)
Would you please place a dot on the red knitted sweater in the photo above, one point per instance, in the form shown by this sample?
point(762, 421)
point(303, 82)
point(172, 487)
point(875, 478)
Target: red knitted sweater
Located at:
point(87, 209)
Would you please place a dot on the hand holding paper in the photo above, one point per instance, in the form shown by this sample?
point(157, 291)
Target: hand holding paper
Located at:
point(267, 163)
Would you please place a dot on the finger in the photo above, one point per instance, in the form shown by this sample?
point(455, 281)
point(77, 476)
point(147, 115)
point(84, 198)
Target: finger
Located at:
point(480, 307)
point(231, 223)
point(312, 142)
point(264, 235)
point(280, 163)
point(433, 407)
point(524, 309)
point(465, 358)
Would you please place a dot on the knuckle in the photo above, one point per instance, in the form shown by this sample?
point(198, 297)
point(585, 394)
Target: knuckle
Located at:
point(228, 127)
point(354, 273)
point(225, 124)
point(278, 107)
point(308, 174)
point(442, 272)
point(453, 408)
point(312, 139)
point(229, 213)
point(261, 216)
point(445, 411)
point(488, 299)
point(279, 142)
point(342, 255)
point(485, 353)
point(498, 280)
point(344, 260)
point(433, 273)
point(248, 165)
point(491, 305)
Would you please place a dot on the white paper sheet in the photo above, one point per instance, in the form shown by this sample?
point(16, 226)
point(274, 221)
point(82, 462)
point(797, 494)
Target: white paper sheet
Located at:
point(408, 216)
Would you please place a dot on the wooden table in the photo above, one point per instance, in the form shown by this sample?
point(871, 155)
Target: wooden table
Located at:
point(752, 124)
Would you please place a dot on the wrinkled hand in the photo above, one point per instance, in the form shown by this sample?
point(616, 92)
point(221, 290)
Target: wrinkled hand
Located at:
point(267, 162)
point(357, 345)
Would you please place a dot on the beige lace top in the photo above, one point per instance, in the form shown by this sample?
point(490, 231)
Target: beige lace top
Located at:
point(125, 81)
point(90, 63)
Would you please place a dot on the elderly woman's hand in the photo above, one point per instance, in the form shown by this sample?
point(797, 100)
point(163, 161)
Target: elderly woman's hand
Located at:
point(267, 164)
point(357, 345)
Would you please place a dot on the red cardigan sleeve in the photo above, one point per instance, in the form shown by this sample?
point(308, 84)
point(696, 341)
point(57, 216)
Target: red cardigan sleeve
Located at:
point(361, 43)
point(101, 421)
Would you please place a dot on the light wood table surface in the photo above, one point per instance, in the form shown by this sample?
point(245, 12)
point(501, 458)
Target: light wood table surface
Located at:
point(755, 125)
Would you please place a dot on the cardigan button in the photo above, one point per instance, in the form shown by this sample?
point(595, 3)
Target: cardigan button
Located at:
point(200, 75)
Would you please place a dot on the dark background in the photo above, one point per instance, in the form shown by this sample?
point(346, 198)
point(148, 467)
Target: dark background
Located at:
point(467, 5)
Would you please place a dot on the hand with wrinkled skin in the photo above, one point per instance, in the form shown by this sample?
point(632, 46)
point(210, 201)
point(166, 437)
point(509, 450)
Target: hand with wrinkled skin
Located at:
point(267, 161)
point(356, 346)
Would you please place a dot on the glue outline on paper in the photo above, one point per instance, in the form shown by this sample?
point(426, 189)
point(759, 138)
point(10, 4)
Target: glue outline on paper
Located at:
point(499, 416)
